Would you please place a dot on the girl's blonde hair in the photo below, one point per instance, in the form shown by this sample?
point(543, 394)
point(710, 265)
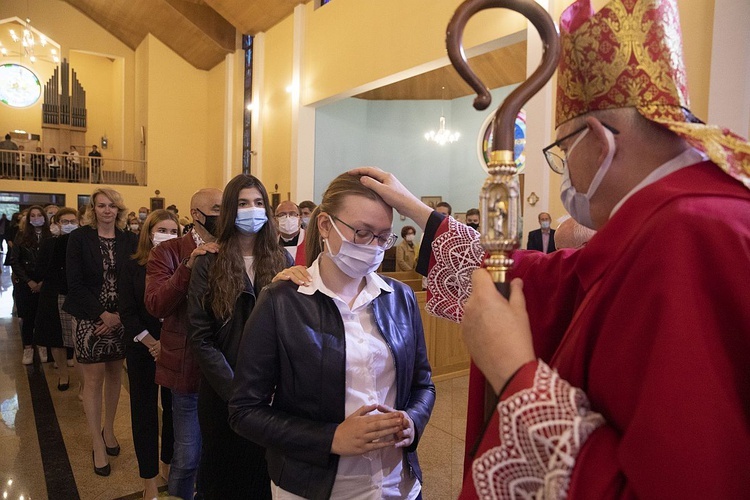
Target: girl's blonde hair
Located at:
point(342, 186)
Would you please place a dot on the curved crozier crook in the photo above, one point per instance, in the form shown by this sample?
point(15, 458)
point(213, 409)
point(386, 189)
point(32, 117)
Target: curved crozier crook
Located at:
point(505, 116)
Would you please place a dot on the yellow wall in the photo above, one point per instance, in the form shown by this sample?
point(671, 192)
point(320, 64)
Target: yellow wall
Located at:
point(277, 110)
point(97, 75)
point(178, 128)
point(354, 42)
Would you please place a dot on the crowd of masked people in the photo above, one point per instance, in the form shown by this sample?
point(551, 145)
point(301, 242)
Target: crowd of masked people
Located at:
point(275, 379)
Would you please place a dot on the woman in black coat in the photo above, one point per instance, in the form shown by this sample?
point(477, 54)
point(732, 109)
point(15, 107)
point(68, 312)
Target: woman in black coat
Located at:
point(27, 278)
point(143, 348)
point(221, 295)
point(96, 253)
point(53, 330)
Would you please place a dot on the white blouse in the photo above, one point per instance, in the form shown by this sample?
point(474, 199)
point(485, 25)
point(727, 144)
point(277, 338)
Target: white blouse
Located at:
point(370, 379)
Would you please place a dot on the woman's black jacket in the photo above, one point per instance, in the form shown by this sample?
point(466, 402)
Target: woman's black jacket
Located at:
point(289, 382)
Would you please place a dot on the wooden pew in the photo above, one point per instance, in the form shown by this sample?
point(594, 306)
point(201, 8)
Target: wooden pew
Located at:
point(445, 346)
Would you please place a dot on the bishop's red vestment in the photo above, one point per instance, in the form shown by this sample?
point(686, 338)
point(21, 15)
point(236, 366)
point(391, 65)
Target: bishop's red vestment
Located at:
point(648, 328)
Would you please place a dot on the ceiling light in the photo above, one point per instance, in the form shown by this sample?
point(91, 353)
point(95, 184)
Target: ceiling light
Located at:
point(442, 136)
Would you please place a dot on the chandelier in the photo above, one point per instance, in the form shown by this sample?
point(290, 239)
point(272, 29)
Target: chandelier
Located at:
point(442, 136)
point(29, 43)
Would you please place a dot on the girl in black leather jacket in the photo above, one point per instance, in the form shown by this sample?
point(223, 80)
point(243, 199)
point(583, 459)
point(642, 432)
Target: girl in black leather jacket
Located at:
point(221, 296)
point(332, 376)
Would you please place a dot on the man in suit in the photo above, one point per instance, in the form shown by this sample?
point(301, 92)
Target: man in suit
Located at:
point(542, 239)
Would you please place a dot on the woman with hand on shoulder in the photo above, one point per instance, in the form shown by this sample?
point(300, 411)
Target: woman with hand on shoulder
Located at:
point(333, 376)
point(143, 348)
point(96, 253)
point(27, 275)
point(222, 292)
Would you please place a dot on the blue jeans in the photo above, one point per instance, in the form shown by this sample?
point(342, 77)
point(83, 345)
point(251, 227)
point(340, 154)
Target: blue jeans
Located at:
point(187, 445)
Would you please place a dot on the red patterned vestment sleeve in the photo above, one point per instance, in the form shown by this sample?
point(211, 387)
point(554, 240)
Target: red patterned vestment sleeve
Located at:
point(543, 423)
point(456, 252)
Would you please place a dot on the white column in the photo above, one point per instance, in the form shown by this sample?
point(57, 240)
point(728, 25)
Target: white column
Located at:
point(539, 119)
point(303, 118)
point(729, 91)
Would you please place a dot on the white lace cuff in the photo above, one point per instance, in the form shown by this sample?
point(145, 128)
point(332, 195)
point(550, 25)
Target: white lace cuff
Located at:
point(542, 429)
point(457, 253)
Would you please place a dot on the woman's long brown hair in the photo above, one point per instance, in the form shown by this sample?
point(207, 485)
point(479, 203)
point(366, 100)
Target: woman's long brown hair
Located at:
point(227, 277)
point(342, 186)
point(27, 237)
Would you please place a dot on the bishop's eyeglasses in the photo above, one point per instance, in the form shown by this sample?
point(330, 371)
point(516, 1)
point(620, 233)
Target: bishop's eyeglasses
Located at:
point(557, 157)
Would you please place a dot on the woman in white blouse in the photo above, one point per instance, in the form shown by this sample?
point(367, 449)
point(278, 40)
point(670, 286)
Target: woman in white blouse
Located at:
point(332, 375)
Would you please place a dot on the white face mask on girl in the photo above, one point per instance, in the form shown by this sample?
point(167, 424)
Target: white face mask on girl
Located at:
point(356, 261)
point(250, 220)
point(578, 204)
point(162, 237)
point(68, 228)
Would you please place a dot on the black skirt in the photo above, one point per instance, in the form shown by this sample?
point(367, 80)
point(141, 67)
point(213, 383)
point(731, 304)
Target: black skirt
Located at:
point(47, 329)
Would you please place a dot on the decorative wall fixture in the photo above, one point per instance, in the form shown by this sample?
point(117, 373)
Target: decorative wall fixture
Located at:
point(533, 199)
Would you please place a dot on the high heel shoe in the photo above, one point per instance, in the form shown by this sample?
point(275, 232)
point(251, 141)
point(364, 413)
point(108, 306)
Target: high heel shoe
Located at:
point(113, 451)
point(61, 386)
point(100, 471)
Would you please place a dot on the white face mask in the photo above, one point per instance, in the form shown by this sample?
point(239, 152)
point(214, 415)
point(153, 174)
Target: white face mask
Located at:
point(356, 261)
point(68, 228)
point(409, 238)
point(250, 220)
point(54, 229)
point(545, 224)
point(305, 221)
point(37, 221)
point(134, 227)
point(575, 203)
point(288, 225)
point(162, 237)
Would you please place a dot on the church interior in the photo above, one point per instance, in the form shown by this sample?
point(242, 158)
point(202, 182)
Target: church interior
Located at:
point(180, 95)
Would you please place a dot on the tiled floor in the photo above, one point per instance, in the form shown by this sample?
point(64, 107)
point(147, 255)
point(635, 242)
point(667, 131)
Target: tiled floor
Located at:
point(24, 475)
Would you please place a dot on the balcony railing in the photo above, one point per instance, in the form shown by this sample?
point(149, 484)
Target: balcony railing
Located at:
point(31, 166)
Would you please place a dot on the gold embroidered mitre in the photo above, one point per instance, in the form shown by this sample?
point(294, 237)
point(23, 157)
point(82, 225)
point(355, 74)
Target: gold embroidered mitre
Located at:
point(629, 54)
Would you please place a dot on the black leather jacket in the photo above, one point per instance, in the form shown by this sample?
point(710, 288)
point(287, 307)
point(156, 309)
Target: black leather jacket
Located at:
point(24, 261)
point(216, 342)
point(289, 384)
